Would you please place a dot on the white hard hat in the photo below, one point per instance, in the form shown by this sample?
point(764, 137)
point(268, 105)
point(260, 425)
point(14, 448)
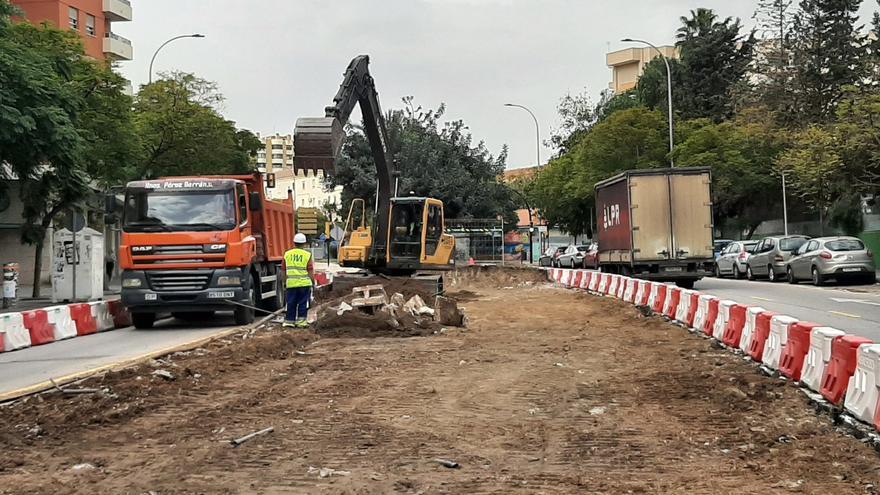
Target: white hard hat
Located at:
point(299, 239)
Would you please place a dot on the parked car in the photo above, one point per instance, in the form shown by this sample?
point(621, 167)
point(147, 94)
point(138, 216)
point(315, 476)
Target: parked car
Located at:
point(550, 255)
point(837, 258)
point(771, 255)
point(573, 257)
point(732, 260)
point(719, 245)
point(591, 257)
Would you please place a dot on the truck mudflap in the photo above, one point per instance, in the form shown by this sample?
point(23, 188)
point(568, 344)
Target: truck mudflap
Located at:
point(182, 291)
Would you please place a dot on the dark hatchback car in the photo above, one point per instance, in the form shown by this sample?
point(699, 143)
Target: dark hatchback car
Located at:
point(550, 255)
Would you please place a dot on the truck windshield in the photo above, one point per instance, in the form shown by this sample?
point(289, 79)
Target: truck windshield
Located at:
point(151, 211)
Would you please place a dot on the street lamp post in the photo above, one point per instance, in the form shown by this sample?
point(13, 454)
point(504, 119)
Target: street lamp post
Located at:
point(537, 130)
point(784, 205)
point(668, 92)
point(538, 157)
point(163, 46)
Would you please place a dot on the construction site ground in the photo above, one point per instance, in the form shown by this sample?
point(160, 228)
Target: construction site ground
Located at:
point(546, 391)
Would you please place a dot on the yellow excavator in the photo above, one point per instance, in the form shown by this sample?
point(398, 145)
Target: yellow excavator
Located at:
point(407, 234)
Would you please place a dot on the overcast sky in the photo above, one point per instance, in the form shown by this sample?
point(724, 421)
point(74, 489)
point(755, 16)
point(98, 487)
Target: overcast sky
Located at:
point(276, 60)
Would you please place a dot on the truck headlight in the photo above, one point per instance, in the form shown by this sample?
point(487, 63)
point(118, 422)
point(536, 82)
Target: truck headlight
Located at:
point(229, 280)
point(132, 283)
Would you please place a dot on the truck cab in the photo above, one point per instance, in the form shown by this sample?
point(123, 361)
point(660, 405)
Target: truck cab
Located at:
point(193, 246)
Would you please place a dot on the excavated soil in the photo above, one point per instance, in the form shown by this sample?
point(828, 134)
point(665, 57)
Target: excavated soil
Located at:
point(548, 391)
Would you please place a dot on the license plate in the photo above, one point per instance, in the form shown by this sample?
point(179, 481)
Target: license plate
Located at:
point(150, 297)
point(673, 269)
point(221, 295)
point(852, 269)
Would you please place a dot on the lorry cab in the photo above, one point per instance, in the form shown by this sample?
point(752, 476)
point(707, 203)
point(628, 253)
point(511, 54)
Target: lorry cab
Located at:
point(202, 244)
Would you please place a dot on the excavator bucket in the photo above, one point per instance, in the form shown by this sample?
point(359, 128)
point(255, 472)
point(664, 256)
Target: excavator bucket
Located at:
point(316, 143)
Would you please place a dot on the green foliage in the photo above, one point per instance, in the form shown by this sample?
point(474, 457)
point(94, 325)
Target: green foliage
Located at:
point(829, 54)
point(577, 115)
point(182, 133)
point(633, 138)
point(435, 160)
point(813, 162)
point(610, 103)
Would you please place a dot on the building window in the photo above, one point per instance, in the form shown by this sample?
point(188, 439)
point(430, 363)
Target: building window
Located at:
point(90, 25)
point(73, 14)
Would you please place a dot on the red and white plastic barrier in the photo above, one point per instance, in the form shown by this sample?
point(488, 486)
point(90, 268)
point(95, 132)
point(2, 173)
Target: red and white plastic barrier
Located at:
point(702, 316)
point(844, 354)
point(722, 318)
point(776, 341)
point(818, 356)
point(62, 323)
point(791, 362)
point(595, 281)
point(13, 334)
point(670, 306)
point(102, 316)
point(745, 339)
point(684, 306)
point(38, 326)
point(862, 393)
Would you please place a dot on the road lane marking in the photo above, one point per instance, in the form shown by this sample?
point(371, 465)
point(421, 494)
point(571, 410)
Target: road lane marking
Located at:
point(857, 301)
point(841, 313)
point(762, 299)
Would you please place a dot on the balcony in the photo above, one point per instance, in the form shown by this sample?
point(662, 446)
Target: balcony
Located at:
point(117, 10)
point(117, 47)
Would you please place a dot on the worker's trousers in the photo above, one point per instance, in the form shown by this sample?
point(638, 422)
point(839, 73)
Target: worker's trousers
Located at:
point(298, 299)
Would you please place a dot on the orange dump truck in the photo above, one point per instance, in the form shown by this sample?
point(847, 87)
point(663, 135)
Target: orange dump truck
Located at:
point(195, 245)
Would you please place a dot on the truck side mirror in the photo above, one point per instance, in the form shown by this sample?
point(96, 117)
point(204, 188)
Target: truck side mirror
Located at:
point(109, 204)
point(256, 202)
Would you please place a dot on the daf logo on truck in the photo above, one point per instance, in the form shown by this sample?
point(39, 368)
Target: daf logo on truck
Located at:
point(611, 216)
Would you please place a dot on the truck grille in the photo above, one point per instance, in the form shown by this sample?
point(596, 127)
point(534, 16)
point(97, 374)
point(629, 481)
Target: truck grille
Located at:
point(179, 280)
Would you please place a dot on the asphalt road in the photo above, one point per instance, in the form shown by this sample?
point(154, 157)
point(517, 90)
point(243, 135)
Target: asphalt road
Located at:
point(35, 365)
point(853, 309)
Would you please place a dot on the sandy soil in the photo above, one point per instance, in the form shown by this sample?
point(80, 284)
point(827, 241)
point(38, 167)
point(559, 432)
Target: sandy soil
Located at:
point(548, 391)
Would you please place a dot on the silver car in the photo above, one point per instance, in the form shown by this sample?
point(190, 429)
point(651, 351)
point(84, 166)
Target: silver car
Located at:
point(835, 258)
point(573, 257)
point(732, 259)
point(771, 255)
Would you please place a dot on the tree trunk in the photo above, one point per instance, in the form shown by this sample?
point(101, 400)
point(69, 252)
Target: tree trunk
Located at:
point(752, 229)
point(38, 268)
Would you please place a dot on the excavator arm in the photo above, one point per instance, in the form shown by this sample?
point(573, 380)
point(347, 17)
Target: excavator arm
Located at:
point(318, 141)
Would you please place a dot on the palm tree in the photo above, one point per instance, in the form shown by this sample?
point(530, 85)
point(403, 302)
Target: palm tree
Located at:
point(701, 22)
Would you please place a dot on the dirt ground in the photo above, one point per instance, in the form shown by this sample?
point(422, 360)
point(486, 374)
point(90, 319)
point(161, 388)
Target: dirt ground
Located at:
point(548, 391)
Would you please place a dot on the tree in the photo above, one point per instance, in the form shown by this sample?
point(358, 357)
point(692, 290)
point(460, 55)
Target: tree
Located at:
point(628, 139)
point(434, 160)
point(829, 54)
point(715, 56)
point(775, 20)
point(182, 133)
point(43, 82)
point(813, 163)
point(576, 113)
point(740, 154)
point(610, 103)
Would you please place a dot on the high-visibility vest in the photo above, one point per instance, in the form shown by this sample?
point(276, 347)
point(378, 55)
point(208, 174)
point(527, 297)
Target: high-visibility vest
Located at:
point(297, 262)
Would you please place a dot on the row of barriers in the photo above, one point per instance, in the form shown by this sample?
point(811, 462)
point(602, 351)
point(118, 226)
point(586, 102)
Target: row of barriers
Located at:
point(44, 326)
point(843, 368)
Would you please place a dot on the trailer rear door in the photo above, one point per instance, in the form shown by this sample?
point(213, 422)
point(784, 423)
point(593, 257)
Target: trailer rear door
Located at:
point(691, 215)
point(652, 235)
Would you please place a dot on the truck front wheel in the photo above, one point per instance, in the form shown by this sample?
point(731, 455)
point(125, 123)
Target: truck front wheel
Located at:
point(243, 315)
point(143, 321)
point(686, 284)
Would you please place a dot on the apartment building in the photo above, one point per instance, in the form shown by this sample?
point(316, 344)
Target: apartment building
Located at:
point(92, 19)
point(628, 64)
point(277, 154)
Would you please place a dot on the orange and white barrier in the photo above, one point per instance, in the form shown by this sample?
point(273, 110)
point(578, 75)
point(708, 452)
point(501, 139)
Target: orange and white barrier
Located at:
point(673, 297)
point(702, 315)
point(722, 318)
point(629, 295)
point(684, 306)
point(14, 334)
point(818, 356)
point(779, 326)
point(751, 322)
point(102, 316)
point(612, 285)
point(62, 324)
point(862, 393)
point(621, 287)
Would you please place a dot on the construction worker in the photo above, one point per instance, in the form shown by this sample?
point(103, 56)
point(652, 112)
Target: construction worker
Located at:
point(300, 273)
